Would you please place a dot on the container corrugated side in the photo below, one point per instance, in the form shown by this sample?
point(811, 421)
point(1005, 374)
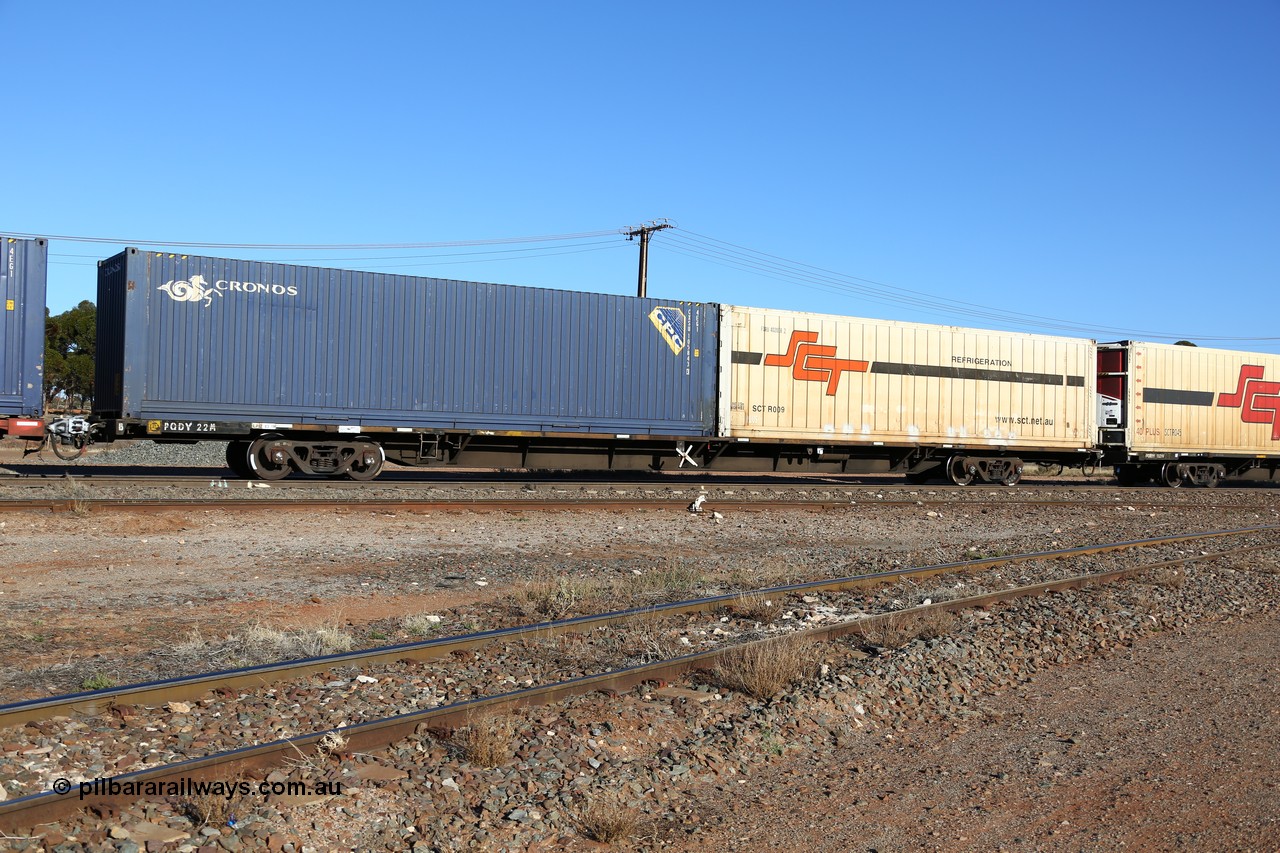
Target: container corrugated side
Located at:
point(23, 280)
point(213, 338)
point(1195, 400)
point(831, 379)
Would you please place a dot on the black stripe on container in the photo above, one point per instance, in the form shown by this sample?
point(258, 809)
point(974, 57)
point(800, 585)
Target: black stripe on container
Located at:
point(933, 370)
point(740, 357)
point(1178, 398)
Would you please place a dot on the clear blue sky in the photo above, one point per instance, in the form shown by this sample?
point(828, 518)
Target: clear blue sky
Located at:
point(1114, 167)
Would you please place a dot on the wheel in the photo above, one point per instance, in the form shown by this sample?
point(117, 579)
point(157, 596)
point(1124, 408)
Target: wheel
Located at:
point(1171, 475)
point(68, 447)
point(261, 461)
point(1212, 478)
point(960, 471)
point(359, 470)
point(238, 459)
point(1013, 477)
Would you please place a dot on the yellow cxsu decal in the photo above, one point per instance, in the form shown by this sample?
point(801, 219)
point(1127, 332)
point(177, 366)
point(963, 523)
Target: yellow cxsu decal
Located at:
point(153, 426)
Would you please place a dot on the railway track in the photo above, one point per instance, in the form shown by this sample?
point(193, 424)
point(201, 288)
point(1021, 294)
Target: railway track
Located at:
point(373, 733)
point(621, 500)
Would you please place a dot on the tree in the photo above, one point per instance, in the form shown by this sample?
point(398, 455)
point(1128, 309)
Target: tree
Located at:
point(70, 345)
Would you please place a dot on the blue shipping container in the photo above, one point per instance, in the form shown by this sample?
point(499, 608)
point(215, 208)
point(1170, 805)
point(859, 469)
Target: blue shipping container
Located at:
point(197, 338)
point(23, 275)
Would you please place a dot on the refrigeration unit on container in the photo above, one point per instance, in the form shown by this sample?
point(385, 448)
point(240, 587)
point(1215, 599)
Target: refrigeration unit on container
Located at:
point(965, 403)
point(23, 276)
point(1185, 414)
point(419, 368)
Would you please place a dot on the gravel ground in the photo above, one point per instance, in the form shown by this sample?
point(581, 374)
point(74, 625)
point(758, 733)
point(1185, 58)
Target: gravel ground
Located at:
point(1020, 729)
point(33, 757)
point(114, 593)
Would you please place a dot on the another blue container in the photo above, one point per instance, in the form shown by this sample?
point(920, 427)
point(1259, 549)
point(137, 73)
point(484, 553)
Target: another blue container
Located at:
point(23, 276)
point(196, 338)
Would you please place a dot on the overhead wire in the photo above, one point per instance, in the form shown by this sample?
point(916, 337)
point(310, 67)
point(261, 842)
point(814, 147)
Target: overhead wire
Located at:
point(446, 244)
point(735, 256)
point(689, 244)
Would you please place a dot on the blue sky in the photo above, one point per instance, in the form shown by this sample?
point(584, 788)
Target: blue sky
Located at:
point(1110, 169)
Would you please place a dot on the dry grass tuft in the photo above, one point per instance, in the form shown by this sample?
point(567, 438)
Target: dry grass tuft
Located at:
point(420, 625)
point(642, 640)
point(607, 820)
point(561, 596)
point(485, 740)
point(315, 761)
point(897, 630)
point(674, 581)
point(260, 644)
point(1167, 576)
point(755, 606)
point(762, 669)
point(265, 643)
point(217, 808)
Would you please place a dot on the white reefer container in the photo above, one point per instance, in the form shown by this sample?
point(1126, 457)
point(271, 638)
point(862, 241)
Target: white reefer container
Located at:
point(1163, 399)
point(846, 380)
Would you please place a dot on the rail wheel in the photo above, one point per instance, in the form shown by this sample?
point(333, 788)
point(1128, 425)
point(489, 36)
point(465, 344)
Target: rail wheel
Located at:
point(238, 459)
point(267, 462)
point(960, 472)
point(1014, 476)
point(68, 447)
point(367, 465)
point(1171, 475)
point(1212, 478)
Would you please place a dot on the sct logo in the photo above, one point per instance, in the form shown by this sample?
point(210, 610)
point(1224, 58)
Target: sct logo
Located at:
point(1258, 401)
point(194, 289)
point(670, 322)
point(811, 362)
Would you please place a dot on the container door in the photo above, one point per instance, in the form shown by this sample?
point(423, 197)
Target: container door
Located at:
point(1113, 379)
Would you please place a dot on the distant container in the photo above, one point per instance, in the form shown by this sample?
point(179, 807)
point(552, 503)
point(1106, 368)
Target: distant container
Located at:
point(829, 379)
point(196, 338)
point(1163, 400)
point(23, 275)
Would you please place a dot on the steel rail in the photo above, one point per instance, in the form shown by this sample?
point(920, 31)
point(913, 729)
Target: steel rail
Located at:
point(373, 735)
point(96, 702)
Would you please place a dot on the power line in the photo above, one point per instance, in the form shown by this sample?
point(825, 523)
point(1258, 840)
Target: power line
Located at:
point(724, 253)
point(307, 247)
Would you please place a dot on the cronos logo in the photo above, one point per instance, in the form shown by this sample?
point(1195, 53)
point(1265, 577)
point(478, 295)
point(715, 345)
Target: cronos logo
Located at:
point(194, 289)
point(198, 289)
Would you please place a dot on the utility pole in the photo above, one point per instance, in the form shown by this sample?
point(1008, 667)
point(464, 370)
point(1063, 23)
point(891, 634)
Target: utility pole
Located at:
point(643, 232)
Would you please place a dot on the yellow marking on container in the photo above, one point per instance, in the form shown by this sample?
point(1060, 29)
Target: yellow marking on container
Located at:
point(9, 305)
point(153, 426)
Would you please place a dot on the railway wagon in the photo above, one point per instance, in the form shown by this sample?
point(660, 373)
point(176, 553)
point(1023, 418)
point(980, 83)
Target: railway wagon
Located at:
point(1181, 414)
point(932, 400)
point(23, 277)
point(331, 371)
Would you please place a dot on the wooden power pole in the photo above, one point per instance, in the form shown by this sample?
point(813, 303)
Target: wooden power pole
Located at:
point(643, 232)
